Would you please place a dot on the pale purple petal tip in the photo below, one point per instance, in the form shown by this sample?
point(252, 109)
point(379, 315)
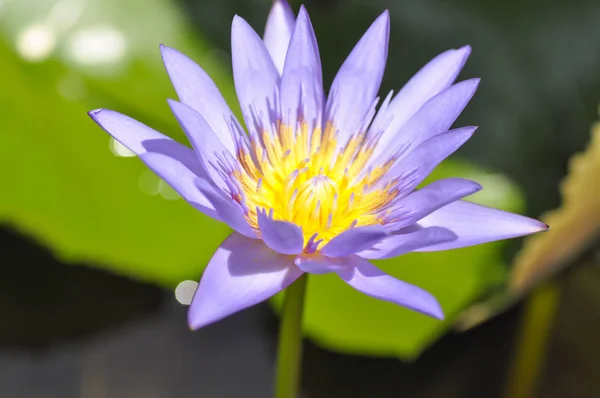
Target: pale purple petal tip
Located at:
point(281, 236)
point(175, 163)
point(465, 51)
point(433, 78)
point(301, 81)
point(354, 240)
point(437, 115)
point(254, 74)
point(278, 31)
point(365, 277)
point(197, 90)
point(356, 84)
point(243, 272)
point(475, 224)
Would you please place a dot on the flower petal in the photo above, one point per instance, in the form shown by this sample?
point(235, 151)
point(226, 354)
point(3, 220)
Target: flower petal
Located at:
point(278, 32)
point(207, 145)
point(435, 117)
point(475, 224)
point(281, 236)
point(230, 212)
point(354, 240)
point(255, 77)
point(433, 78)
point(365, 277)
point(242, 273)
point(355, 86)
point(317, 263)
point(397, 245)
point(302, 82)
point(197, 90)
point(428, 199)
point(424, 158)
point(175, 163)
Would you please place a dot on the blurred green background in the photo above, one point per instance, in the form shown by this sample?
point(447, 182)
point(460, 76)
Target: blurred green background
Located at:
point(93, 244)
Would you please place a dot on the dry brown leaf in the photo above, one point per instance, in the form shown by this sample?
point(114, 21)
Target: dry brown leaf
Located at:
point(574, 226)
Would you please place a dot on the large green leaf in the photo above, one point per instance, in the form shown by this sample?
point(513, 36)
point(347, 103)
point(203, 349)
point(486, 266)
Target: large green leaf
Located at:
point(342, 319)
point(62, 182)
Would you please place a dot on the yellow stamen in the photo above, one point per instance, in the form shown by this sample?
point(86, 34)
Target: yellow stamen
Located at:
point(305, 178)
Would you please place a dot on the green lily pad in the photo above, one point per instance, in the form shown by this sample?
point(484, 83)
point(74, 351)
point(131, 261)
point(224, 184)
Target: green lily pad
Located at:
point(342, 319)
point(65, 182)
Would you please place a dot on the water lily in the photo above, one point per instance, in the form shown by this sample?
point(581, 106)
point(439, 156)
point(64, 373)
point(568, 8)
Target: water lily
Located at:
point(316, 183)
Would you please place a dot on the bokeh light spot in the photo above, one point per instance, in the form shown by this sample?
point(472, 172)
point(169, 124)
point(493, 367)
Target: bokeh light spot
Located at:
point(149, 183)
point(166, 191)
point(97, 45)
point(185, 291)
point(36, 42)
point(119, 149)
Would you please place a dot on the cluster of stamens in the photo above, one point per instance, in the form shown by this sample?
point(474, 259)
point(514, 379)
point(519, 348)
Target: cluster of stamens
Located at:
point(305, 177)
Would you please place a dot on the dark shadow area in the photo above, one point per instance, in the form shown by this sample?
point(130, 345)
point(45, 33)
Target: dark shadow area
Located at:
point(45, 302)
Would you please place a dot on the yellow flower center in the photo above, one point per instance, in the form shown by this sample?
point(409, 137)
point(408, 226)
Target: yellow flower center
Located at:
point(307, 179)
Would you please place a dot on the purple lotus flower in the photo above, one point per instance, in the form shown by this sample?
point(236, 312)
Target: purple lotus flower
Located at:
point(318, 183)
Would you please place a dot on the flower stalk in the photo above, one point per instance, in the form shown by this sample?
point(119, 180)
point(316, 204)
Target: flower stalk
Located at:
point(289, 361)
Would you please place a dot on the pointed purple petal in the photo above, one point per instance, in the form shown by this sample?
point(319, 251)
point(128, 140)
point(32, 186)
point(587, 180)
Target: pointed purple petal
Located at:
point(365, 277)
point(175, 163)
point(475, 224)
point(424, 158)
point(435, 117)
point(433, 78)
point(397, 245)
point(317, 263)
point(206, 144)
point(197, 90)
point(355, 86)
point(354, 240)
point(243, 272)
point(302, 83)
point(426, 200)
point(278, 32)
point(281, 236)
point(230, 212)
point(254, 75)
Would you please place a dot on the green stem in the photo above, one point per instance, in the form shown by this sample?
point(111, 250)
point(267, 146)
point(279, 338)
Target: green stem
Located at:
point(289, 360)
point(532, 340)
